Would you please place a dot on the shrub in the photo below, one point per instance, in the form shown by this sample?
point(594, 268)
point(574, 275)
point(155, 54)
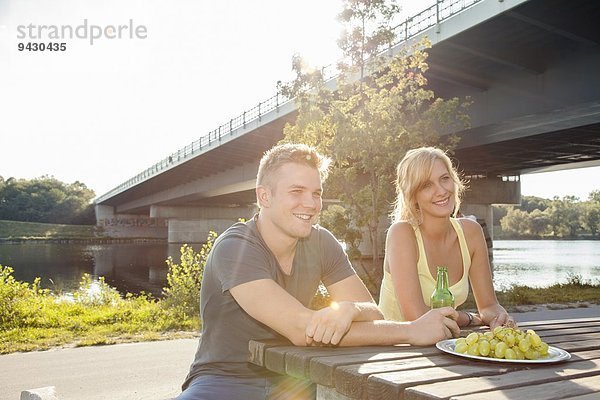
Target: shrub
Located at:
point(184, 280)
point(91, 293)
point(19, 301)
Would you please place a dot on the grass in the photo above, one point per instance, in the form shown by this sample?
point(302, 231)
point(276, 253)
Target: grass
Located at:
point(17, 231)
point(575, 292)
point(32, 318)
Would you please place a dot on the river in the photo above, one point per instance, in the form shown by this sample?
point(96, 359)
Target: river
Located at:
point(133, 267)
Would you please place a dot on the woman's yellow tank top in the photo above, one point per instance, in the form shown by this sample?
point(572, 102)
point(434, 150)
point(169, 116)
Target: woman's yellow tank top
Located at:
point(387, 298)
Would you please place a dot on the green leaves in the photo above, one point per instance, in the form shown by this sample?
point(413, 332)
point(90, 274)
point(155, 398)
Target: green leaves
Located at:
point(379, 109)
point(182, 295)
point(45, 199)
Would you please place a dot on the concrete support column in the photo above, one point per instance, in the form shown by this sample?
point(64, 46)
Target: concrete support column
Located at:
point(192, 224)
point(482, 193)
point(103, 213)
point(480, 196)
point(174, 212)
point(196, 231)
point(129, 226)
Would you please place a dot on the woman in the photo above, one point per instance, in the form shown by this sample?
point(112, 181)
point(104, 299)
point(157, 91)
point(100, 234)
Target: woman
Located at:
point(424, 235)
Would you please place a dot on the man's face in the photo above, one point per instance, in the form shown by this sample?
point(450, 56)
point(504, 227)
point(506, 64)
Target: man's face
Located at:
point(294, 199)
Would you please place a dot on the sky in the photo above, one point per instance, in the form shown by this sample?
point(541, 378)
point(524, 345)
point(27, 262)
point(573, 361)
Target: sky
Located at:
point(106, 109)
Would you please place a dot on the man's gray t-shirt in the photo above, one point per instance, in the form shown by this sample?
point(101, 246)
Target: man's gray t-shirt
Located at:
point(239, 256)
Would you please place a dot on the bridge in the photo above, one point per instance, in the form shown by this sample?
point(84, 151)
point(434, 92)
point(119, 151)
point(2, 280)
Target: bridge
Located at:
point(530, 67)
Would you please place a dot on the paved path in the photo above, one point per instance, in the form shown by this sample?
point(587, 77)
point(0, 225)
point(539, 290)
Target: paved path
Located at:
point(138, 371)
point(133, 371)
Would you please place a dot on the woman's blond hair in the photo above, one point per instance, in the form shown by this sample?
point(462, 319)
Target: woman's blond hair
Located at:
point(411, 174)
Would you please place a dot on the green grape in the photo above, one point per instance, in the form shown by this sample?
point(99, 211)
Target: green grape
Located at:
point(535, 339)
point(471, 338)
point(500, 349)
point(509, 339)
point(524, 345)
point(473, 349)
point(488, 335)
point(510, 354)
point(493, 344)
point(484, 348)
point(532, 354)
point(518, 353)
point(543, 348)
point(500, 334)
point(461, 347)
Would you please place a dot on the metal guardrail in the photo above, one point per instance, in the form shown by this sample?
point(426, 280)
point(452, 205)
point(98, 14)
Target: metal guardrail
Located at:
point(411, 27)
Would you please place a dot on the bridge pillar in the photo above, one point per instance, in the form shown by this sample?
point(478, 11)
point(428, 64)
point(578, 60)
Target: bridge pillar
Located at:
point(483, 192)
point(129, 225)
point(478, 200)
point(192, 224)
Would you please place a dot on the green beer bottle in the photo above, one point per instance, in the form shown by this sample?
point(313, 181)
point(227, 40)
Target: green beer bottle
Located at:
point(442, 296)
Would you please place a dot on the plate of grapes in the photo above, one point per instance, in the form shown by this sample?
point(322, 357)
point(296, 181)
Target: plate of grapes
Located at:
point(504, 344)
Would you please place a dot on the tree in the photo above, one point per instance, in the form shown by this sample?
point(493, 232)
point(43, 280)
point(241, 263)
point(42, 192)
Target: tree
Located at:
point(380, 109)
point(590, 217)
point(516, 222)
point(539, 223)
point(594, 196)
point(564, 216)
point(45, 199)
point(530, 203)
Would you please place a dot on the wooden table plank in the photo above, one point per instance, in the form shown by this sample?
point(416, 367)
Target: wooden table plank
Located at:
point(351, 380)
point(572, 330)
point(298, 363)
point(572, 321)
point(322, 370)
point(257, 349)
point(579, 345)
point(571, 338)
point(545, 391)
point(391, 385)
point(589, 396)
point(530, 376)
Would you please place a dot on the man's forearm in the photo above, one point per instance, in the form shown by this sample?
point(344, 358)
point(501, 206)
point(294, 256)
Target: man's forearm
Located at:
point(367, 311)
point(377, 333)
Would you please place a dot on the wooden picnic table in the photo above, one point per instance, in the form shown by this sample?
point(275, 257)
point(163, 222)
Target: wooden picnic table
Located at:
point(411, 372)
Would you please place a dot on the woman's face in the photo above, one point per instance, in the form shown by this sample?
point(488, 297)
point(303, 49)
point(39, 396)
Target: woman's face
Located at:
point(436, 196)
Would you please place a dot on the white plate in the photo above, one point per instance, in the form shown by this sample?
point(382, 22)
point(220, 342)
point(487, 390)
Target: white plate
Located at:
point(554, 354)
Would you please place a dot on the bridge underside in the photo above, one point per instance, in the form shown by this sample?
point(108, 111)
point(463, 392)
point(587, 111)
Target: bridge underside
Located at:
point(531, 72)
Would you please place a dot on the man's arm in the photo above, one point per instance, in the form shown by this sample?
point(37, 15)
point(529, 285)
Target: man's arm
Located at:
point(351, 302)
point(268, 303)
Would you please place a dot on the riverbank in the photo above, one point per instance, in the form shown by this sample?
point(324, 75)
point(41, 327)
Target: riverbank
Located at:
point(151, 370)
point(19, 232)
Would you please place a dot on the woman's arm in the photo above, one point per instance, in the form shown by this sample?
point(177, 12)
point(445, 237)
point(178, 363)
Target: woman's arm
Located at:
point(401, 253)
point(491, 313)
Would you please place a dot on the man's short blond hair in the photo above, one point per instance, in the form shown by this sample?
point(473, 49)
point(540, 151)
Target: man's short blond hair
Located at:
point(286, 153)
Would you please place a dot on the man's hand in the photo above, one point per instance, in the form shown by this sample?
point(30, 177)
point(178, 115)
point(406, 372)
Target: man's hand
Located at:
point(330, 324)
point(433, 326)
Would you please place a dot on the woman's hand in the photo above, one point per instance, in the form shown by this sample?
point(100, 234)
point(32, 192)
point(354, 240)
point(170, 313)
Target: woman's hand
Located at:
point(496, 315)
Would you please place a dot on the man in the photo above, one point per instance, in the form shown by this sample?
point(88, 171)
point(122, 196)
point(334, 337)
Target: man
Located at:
point(261, 276)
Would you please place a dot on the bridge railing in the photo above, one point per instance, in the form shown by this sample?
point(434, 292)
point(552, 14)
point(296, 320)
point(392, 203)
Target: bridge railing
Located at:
point(409, 28)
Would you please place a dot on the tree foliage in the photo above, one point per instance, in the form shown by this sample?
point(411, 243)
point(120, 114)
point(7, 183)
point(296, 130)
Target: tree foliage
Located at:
point(379, 109)
point(46, 199)
point(566, 217)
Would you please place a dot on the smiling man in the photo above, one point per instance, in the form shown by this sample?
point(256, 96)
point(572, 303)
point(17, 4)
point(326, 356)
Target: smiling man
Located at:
point(261, 276)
